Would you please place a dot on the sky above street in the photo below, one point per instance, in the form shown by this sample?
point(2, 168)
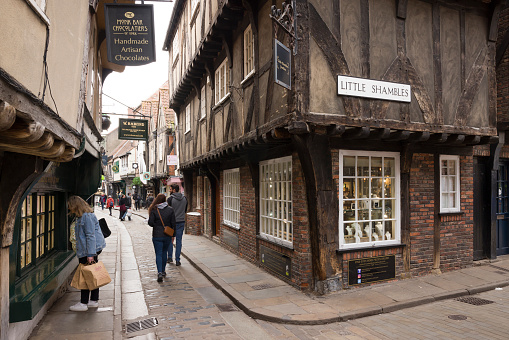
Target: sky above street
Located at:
point(137, 83)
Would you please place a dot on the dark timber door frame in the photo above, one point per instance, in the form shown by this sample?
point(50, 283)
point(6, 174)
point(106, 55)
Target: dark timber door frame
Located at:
point(482, 208)
point(503, 208)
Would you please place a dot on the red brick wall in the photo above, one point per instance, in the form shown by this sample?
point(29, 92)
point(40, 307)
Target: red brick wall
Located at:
point(421, 213)
point(248, 231)
point(456, 231)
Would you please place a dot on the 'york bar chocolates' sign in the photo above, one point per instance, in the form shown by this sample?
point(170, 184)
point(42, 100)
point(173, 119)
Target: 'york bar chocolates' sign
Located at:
point(133, 129)
point(130, 34)
point(283, 65)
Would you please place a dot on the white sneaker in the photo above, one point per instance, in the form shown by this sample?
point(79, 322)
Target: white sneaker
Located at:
point(79, 307)
point(93, 304)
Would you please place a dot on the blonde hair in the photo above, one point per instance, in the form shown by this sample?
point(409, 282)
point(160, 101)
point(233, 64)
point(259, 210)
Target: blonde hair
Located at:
point(78, 206)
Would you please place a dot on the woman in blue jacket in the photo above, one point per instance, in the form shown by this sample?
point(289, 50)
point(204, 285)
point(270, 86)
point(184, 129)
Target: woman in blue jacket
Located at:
point(89, 244)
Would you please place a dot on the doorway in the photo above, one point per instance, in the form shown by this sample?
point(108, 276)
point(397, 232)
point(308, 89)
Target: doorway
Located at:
point(503, 208)
point(206, 205)
point(482, 208)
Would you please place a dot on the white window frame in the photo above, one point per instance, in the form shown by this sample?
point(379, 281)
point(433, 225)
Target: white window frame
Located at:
point(370, 202)
point(203, 103)
point(248, 52)
point(175, 50)
point(194, 7)
point(446, 180)
point(276, 204)
point(188, 118)
point(198, 191)
point(231, 198)
point(160, 149)
point(222, 79)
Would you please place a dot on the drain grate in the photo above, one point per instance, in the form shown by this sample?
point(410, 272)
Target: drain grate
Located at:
point(457, 317)
point(141, 325)
point(264, 286)
point(474, 300)
point(226, 307)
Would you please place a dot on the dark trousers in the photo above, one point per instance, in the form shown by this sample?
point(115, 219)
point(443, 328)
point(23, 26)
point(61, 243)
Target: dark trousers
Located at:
point(110, 209)
point(85, 293)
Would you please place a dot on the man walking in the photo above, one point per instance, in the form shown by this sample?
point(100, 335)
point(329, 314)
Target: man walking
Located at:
point(128, 205)
point(179, 204)
point(103, 200)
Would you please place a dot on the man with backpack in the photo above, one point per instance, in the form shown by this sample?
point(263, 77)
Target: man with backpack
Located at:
point(179, 204)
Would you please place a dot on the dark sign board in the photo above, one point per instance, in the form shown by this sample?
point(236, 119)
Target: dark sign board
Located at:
point(133, 129)
point(276, 262)
point(283, 65)
point(231, 239)
point(371, 269)
point(130, 34)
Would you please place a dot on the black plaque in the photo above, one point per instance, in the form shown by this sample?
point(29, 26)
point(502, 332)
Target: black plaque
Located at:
point(283, 65)
point(231, 239)
point(130, 35)
point(133, 129)
point(371, 269)
point(276, 262)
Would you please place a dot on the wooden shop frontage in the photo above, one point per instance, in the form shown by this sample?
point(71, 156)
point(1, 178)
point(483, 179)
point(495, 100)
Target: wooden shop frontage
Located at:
point(332, 143)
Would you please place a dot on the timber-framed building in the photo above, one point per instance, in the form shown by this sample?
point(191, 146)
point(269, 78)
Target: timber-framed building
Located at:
point(313, 182)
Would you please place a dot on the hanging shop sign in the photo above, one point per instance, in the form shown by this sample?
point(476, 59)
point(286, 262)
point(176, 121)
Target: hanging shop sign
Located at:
point(133, 129)
point(172, 160)
point(282, 65)
point(368, 88)
point(115, 168)
point(130, 35)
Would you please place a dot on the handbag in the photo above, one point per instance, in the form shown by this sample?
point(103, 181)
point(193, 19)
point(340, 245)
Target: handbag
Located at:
point(167, 230)
point(95, 275)
point(104, 227)
point(78, 280)
point(129, 212)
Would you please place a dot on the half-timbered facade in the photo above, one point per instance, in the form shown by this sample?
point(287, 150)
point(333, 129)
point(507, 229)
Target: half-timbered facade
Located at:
point(363, 153)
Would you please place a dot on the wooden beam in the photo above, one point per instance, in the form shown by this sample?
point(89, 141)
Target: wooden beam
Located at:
point(455, 139)
point(335, 130)
point(24, 132)
point(7, 115)
point(298, 127)
point(472, 140)
point(419, 136)
point(402, 8)
point(356, 133)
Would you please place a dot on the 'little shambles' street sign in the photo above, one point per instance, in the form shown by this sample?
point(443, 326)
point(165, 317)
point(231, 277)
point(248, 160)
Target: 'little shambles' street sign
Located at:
point(130, 34)
point(133, 129)
point(283, 65)
point(369, 88)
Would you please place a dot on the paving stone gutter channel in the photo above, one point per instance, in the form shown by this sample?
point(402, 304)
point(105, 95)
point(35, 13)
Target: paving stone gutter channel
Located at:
point(311, 319)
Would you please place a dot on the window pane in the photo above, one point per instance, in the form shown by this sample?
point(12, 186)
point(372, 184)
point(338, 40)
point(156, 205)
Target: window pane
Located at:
point(348, 188)
point(389, 188)
point(376, 166)
point(362, 166)
point(348, 166)
point(389, 167)
point(389, 209)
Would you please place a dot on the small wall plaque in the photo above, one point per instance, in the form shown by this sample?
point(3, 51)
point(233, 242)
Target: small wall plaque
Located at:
point(371, 269)
point(276, 262)
point(283, 65)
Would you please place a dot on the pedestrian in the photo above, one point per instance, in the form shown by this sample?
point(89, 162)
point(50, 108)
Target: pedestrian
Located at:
point(110, 203)
point(179, 204)
point(160, 215)
point(89, 244)
point(103, 200)
point(150, 199)
point(122, 208)
point(128, 205)
point(137, 200)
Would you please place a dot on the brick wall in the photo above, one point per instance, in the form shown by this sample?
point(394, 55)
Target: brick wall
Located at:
point(503, 71)
point(421, 213)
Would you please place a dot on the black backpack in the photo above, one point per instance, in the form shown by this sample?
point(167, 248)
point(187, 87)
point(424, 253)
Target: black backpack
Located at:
point(104, 228)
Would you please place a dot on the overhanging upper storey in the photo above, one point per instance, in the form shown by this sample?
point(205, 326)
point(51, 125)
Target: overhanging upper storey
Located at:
point(194, 39)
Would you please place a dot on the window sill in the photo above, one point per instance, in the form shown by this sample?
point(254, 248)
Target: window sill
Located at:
point(247, 78)
point(35, 289)
point(276, 241)
point(219, 103)
point(39, 12)
point(385, 246)
point(202, 119)
point(450, 213)
point(231, 225)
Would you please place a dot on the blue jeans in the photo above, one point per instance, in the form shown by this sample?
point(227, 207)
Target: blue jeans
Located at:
point(179, 231)
point(161, 245)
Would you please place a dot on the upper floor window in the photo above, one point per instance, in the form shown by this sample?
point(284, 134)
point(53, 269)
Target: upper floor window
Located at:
point(203, 104)
point(369, 199)
point(449, 183)
point(231, 199)
point(248, 52)
point(222, 81)
point(175, 49)
point(188, 118)
point(276, 211)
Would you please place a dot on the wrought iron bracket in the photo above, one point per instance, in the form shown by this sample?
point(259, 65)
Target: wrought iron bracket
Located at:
point(286, 18)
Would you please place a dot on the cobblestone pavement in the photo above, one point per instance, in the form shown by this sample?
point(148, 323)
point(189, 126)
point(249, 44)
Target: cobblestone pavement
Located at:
point(185, 303)
point(431, 321)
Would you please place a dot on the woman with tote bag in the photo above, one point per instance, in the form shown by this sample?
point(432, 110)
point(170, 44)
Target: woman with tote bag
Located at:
point(89, 244)
point(160, 216)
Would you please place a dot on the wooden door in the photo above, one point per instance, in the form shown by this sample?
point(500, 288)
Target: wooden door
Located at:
point(218, 210)
point(503, 209)
point(482, 208)
point(206, 205)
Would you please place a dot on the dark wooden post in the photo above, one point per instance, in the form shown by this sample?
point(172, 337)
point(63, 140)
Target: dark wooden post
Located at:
point(315, 157)
point(494, 165)
point(405, 167)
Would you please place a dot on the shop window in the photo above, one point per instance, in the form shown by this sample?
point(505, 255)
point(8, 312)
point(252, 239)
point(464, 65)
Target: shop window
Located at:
point(449, 183)
point(37, 231)
point(248, 52)
point(222, 81)
point(231, 198)
point(369, 199)
point(276, 214)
